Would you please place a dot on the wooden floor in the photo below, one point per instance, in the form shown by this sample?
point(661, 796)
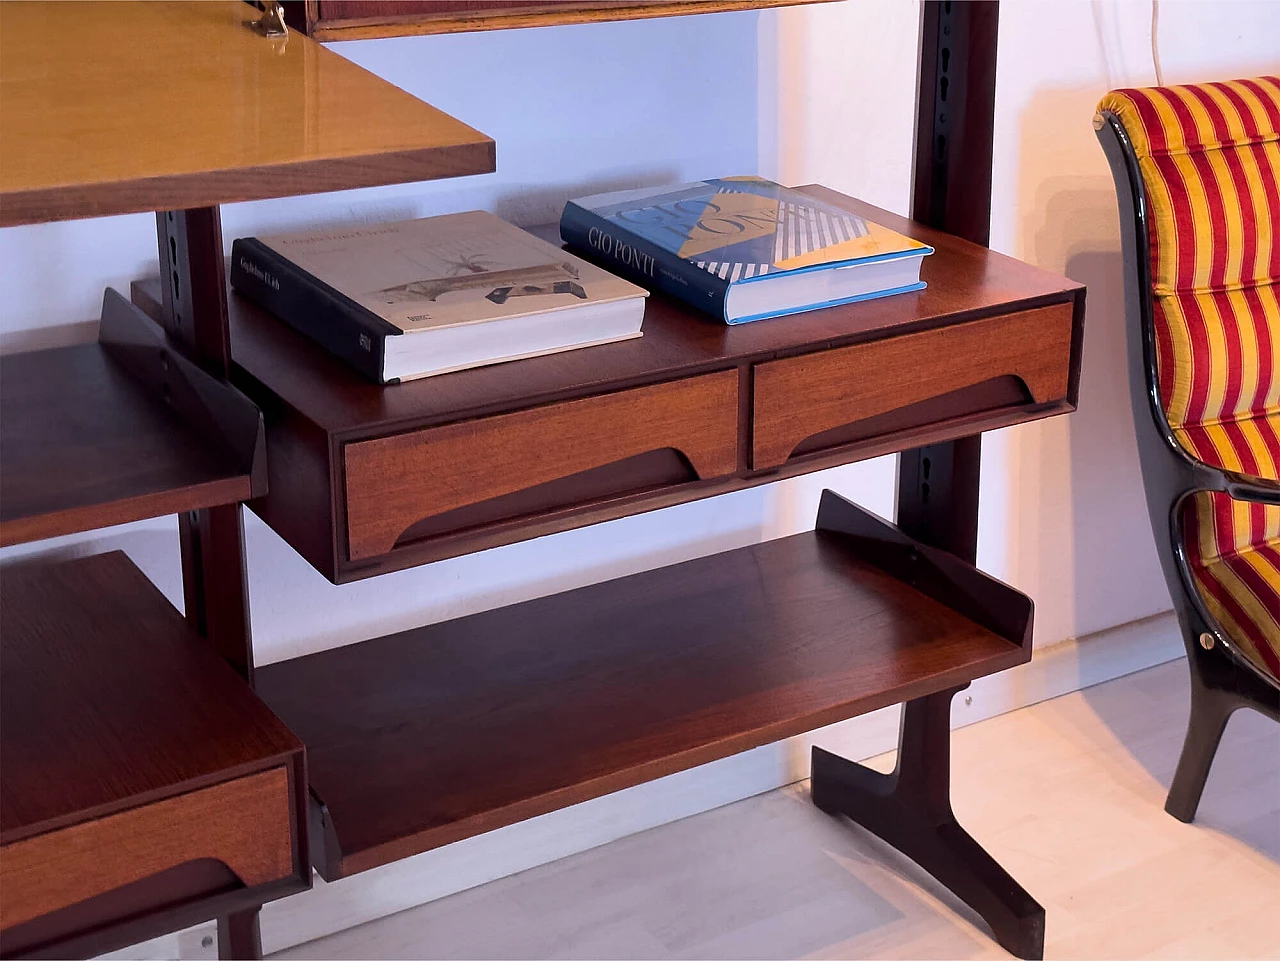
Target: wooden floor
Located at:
point(1067, 794)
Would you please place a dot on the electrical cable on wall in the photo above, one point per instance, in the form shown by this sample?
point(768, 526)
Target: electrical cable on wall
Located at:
point(1155, 41)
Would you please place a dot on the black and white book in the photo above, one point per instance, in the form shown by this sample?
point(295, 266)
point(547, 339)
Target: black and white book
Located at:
point(415, 298)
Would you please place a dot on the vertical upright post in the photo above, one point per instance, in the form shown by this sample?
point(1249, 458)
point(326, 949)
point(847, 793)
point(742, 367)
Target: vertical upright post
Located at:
point(955, 118)
point(938, 498)
point(955, 127)
point(240, 935)
point(214, 585)
point(195, 311)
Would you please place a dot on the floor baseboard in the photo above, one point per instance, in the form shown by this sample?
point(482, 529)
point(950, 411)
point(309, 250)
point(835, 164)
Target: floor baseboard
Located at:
point(329, 908)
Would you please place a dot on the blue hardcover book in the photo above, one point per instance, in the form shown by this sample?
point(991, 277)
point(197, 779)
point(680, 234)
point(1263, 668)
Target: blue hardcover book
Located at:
point(743, 248)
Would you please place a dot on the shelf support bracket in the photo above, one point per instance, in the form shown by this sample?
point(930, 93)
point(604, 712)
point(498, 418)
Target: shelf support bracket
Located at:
point(193, 278)
point(214, 583)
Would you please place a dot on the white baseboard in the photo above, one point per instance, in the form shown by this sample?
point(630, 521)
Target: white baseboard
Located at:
point(329, 908)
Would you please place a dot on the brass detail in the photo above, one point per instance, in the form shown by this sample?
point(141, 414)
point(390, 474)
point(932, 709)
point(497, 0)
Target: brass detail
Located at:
point(271, 23)
point(1098, 121)
point(1206, 641)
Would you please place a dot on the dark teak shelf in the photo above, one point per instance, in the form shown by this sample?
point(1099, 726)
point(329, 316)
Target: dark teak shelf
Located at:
point(365, 19)
point(432, 735)
point(118, 431)
point(131, 750)
point(100, 670)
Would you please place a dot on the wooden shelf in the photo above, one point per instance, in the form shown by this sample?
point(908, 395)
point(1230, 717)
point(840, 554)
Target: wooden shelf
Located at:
point(363, 19)
point(426, 737)
point(245, 117)
point(118, 431)
point(130, 748)
point(1001, 338)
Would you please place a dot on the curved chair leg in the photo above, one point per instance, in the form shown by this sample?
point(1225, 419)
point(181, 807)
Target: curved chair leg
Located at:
point(1210, 710)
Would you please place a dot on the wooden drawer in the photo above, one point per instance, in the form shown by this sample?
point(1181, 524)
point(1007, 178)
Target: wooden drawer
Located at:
point(393, 483)
point(243, 824)
point(814, 402)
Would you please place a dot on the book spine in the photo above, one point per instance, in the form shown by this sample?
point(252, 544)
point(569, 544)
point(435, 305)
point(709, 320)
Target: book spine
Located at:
point(310, 306)
point(642, 261)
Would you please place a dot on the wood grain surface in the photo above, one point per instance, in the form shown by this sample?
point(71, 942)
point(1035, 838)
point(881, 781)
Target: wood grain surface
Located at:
point(801, 396)
point(965, 282)
point(315, 406)
point(244, 824)
point(118, 431)
point(259, 118)
point(425, 737)
point(1137, 884)
point(363, 19)
point(108, 700)
point(392, 482)
point(82, 446)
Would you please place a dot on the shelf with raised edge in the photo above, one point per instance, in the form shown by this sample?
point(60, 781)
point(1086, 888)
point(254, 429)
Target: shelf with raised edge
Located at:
point(117, 431)
point(243, 117)
point(135, 760)
point(426, 737)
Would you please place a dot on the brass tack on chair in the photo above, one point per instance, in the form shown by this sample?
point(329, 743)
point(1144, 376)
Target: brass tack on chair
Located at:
point(1206, 641)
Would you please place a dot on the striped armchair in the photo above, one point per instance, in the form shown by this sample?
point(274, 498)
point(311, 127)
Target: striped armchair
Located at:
point(1197, 172)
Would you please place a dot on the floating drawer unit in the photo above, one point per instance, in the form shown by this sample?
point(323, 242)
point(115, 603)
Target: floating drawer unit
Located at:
point(366, 479)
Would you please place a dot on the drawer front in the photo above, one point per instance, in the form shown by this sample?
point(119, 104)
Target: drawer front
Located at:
point(245, 824)
point(799, 397)
point(394, 482)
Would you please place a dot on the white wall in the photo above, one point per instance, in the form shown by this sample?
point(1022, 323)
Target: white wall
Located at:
point(1062, 516)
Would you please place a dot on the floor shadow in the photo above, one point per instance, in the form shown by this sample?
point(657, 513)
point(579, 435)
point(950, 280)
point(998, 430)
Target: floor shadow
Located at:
point(1246, 767)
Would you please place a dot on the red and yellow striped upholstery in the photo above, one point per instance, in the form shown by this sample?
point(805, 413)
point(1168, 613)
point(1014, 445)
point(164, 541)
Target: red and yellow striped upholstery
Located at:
point(1240, 585)
point(1209, 155)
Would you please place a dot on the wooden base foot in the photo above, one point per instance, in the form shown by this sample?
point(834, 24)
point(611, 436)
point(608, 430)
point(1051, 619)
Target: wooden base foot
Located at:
point(911, 810)
point(240, 937)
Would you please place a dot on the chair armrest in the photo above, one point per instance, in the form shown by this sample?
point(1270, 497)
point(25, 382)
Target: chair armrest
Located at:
point(1244, 487)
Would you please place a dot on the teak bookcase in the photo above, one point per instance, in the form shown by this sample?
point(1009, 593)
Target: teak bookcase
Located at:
point(429, 736)
point(144, 786)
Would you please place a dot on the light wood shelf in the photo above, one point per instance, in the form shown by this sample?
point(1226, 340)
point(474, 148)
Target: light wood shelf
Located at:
point(113, 108)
